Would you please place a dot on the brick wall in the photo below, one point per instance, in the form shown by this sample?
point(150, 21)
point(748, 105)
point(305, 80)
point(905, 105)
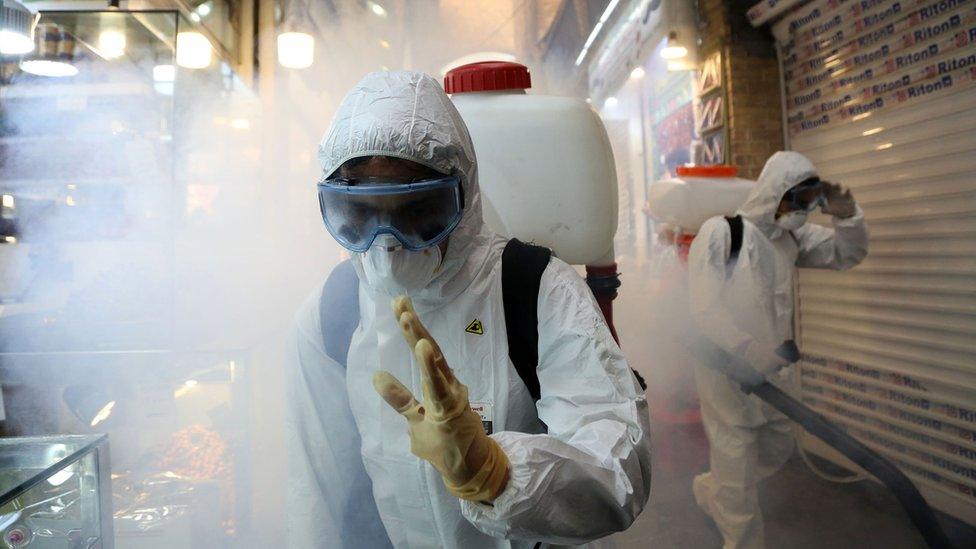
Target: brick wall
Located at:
point(751, 81)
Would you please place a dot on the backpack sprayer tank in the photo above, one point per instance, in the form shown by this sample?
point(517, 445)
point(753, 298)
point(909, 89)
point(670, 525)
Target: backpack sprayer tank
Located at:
point(545, 168)
point(696, 195)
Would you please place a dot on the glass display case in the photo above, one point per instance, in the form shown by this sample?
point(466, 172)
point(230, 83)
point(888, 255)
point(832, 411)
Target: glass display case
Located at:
point(124, 176)
point(55, 492)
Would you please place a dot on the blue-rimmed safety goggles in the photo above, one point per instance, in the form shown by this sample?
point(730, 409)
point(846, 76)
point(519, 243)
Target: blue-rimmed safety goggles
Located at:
point(419, 215)
point(806, 196)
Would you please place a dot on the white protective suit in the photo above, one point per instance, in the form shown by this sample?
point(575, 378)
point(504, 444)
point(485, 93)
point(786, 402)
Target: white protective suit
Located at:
point(747, 311)
point(589, 476)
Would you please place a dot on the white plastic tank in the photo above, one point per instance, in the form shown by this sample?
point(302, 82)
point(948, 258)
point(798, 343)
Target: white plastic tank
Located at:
point(545, 164)
point(696, 195)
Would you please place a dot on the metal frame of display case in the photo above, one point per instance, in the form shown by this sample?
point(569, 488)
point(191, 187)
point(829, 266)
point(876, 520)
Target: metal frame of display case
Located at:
point(100, 448)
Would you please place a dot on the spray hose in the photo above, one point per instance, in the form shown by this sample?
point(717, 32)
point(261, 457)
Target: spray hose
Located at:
point(904, 490)
point(752, 382)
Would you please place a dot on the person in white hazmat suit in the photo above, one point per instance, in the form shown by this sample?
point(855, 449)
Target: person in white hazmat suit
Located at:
point(744, 304)
point(569, 469)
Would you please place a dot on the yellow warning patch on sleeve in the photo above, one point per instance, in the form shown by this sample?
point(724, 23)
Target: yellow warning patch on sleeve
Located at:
point(475, 328)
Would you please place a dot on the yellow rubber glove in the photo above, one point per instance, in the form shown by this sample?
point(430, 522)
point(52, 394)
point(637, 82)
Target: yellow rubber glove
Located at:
point(443, 429)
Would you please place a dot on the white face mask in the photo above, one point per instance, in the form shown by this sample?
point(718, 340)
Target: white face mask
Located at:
point(400, 272)
point(792, 221)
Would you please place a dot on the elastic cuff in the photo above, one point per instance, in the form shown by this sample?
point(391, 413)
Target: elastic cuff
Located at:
point(489, 481)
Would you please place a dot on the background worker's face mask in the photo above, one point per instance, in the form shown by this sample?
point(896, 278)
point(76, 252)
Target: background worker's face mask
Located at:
point(792, 221)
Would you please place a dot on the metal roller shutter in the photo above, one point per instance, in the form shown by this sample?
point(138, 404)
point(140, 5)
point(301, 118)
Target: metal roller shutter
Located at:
point(881, 96)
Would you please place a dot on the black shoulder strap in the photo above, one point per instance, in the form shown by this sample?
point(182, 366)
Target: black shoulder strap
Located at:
point(522, 268)
point(735, 226)
point(339, 311)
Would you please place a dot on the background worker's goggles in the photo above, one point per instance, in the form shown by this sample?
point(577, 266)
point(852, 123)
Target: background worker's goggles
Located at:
point(419, 215)
point(806, 196)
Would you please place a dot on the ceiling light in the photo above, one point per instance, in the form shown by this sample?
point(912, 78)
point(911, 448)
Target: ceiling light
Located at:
point(193, 50)
point(296, 50)
point(14, 43)
point(16, 28)
point(384, 44)
point(45, 67)
point(610, 102)
point(377, 9)
point(674, 52)
point(872, 131)
point(674, 49)
point(680, 65)
point(637, 73)
point(885, 146)
point(111, 44)
point(596, 30)
point(204, 9)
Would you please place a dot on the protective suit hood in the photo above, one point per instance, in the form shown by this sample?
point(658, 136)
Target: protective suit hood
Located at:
point(783, 170)
point(407, 115)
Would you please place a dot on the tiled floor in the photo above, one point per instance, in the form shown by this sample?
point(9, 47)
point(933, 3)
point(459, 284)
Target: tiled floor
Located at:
point(800, 509)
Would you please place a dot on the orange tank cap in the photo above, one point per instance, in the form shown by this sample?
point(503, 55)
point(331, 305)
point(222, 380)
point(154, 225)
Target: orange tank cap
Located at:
point(720, 170)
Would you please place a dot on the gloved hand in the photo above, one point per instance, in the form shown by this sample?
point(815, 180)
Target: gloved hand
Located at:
point(784, 355)
point(789, 351)
point(443, 429)
point(839, 202)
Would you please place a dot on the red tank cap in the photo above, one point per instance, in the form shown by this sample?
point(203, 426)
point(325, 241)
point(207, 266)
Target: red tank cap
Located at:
point(487, 76)
point(719, 170)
